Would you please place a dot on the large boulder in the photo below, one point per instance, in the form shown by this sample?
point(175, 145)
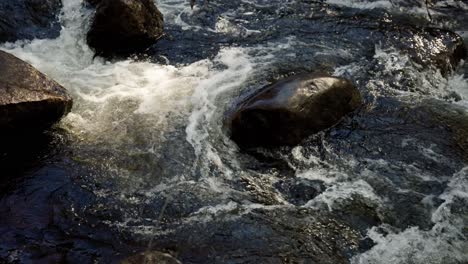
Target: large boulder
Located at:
point(124, 26)
point(29, 19)
point(290, 110)
point(29, 100)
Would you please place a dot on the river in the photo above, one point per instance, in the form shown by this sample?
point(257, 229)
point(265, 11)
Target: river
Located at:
point(143, 163)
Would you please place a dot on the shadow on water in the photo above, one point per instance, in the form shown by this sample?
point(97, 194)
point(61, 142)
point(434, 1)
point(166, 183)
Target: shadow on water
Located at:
point(41, 204)
point(23, 153)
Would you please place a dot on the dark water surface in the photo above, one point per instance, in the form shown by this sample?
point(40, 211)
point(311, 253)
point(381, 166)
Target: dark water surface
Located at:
point(142, 163)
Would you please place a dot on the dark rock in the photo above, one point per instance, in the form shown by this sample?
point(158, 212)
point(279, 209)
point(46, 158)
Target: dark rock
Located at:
point(359, 213)
point(29, 100)
point(124, 26)
point(29, 19)
point(452, 116)
point(429, 46)
point(408, 210)
point(299, 191)
point(20, 154)
point(286, 112)
point(263, 236)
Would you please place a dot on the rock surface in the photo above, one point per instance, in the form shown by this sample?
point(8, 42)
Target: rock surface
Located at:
point(264, 236)
point(290, 110)
point(29, 19)
point(29, 100)
point(429, 46)
point(453, 117)
point(124, 26)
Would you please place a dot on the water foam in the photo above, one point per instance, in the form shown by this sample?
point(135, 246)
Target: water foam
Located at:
point(446, 242)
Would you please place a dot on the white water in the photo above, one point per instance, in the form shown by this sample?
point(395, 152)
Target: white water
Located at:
point(444, 243)
point(109, 94)
point(118, 102)
point(413, 6)
point(127, 109)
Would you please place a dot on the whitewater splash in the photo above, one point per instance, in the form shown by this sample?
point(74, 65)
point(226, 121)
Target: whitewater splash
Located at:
point(154, 132)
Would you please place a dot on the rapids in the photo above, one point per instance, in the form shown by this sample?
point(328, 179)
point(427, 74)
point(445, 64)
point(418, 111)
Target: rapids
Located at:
point(142, 161)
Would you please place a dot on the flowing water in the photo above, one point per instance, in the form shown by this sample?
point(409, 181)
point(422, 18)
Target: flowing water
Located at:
point(143, 163)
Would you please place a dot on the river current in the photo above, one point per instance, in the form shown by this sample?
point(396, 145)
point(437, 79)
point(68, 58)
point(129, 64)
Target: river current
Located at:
point(143, 163)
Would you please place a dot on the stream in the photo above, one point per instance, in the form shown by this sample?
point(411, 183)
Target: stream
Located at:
point(142, 162)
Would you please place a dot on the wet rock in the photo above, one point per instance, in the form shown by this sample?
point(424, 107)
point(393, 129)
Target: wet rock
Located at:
point(29, 100)
point(262, 236)
point(408, 210)
point(405, 133)
point(29, 19)
point(124, 26)
point(286, 112)
point(454, 117)
point(152, 257)
point(359, 213)
point(300, 191)
point(261, 190)
point(429, 46)
point(15, 162)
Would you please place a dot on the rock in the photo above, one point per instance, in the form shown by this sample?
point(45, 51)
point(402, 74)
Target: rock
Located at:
point(358, 212)
point(429, 46)
point(299, 191)
point(124, 26)
point(452, 116)
point(29, 19)
point(408, 210)
point(29, 100)
point(151, 257)
point(286, 112)
point(283, 235)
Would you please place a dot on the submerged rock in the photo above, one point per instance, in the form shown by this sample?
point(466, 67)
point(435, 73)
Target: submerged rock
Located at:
point(290, 110)
point(299, 191)
point(452, 116)
point(151, 257)
point(29, 19)
point(429, 46)
point(29, 100)
point(124, 26)
point(283, 235)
